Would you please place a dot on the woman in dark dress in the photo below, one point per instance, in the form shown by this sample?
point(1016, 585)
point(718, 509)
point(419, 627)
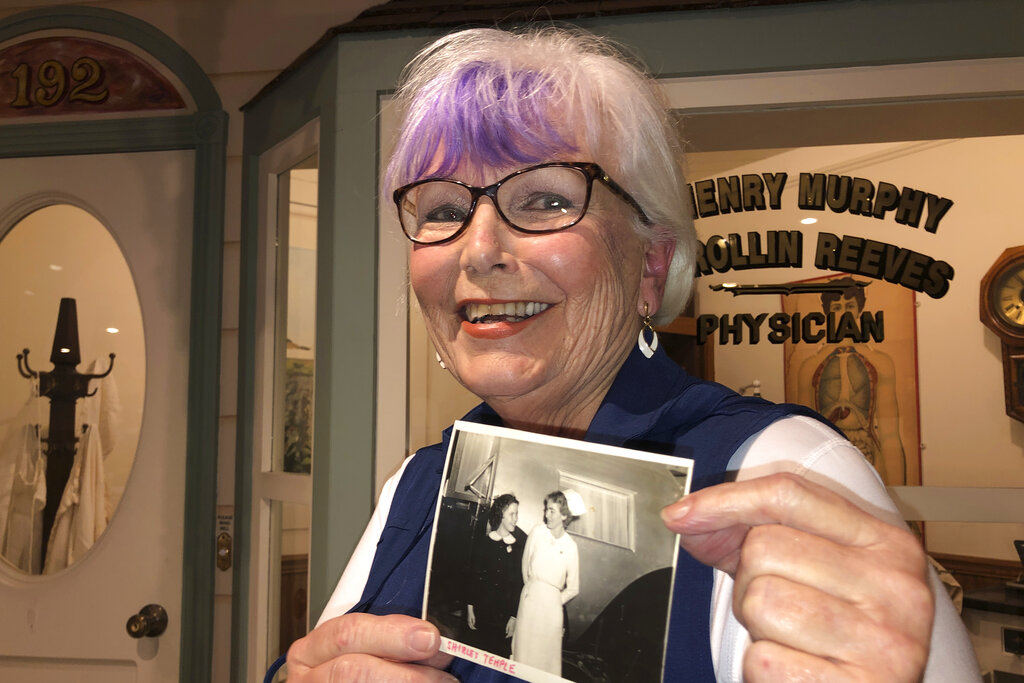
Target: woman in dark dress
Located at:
point(494, 595)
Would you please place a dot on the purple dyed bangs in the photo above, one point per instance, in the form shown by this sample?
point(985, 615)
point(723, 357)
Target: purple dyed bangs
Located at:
point(485, 116)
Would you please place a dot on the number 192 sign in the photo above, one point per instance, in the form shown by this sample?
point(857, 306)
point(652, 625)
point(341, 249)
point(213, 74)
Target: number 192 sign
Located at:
point(84, 84)
point(71, 75)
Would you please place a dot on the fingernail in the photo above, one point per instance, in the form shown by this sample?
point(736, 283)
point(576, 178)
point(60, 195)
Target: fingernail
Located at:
point(676, 511)
point(423, 640)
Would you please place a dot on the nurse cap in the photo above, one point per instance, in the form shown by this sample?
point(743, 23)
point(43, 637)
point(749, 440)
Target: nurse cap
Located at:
point(575, 501)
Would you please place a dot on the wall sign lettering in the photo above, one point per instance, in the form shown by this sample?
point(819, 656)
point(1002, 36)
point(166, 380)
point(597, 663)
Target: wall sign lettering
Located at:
point(855, 255)
point(870, 258)
point(809, 328)
point(756, 192)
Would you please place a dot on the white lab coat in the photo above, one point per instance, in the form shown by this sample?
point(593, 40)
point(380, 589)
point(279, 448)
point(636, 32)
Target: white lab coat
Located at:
point(22, 487)
point(82, 514)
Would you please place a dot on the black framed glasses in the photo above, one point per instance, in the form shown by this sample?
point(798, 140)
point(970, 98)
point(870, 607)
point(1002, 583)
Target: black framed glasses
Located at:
point(543, 198)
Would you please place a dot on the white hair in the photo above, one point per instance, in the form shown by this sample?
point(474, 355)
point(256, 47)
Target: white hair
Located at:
point(545, 88)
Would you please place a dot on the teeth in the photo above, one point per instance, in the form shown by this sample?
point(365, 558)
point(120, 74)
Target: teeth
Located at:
point(514, 310)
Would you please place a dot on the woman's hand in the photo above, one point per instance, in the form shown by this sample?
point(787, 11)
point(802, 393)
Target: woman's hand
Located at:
point(362, 647)
point(827, 591)
point(510, 627)
point(470, 617)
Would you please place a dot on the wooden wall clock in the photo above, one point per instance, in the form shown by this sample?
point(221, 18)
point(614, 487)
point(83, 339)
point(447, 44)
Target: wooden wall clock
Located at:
point(1002, 311)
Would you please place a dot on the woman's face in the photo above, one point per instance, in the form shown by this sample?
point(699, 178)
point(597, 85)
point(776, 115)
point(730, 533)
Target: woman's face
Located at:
point(510, 518)
point(577, 295)
point(553, 517)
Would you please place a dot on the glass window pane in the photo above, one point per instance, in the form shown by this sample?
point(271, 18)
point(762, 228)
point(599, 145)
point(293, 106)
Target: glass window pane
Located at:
point(289, 576)
point(295, 318)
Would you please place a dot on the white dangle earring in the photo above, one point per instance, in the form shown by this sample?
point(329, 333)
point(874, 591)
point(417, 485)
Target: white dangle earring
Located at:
point(441, 362)
point(645, 348)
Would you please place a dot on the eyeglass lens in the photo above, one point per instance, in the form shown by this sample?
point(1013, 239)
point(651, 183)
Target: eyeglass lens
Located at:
point(539, 200)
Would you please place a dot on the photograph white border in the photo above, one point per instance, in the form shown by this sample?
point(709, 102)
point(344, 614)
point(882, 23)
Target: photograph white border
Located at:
point(484, 472)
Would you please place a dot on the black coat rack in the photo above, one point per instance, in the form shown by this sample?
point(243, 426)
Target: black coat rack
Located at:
point(63, 385)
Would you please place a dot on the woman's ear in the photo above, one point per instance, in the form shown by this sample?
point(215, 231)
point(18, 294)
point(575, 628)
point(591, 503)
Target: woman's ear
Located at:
point(657, 259)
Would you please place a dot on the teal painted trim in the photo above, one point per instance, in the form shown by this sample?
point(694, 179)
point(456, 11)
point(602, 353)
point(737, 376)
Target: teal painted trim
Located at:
point(244, 425)
point(345, 293)
point(128, 28)
point(206, 132)
point(102, 137)
point(199, 554)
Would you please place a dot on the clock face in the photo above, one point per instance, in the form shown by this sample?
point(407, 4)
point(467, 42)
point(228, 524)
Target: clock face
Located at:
point(1007, 296)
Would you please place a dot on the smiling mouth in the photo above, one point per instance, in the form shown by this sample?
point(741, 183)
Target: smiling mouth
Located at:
point(511, 312)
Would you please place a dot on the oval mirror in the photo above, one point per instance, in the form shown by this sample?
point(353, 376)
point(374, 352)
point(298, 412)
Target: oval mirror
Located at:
point(69, 413)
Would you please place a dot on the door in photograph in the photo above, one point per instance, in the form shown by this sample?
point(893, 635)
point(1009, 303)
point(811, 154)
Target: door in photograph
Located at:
point(113, 232)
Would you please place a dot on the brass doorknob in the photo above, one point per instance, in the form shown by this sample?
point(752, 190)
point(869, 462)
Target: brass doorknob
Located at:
point(150, 622)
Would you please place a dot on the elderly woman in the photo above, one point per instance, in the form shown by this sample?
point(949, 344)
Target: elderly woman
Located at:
point(538, 176)
point(497, 579)
point(551, 577)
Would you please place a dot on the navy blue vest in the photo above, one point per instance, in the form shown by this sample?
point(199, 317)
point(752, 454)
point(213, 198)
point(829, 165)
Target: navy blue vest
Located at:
point(652, 406)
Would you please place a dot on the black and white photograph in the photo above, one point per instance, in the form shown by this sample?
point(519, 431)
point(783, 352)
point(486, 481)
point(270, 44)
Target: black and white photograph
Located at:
point(549, 560)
